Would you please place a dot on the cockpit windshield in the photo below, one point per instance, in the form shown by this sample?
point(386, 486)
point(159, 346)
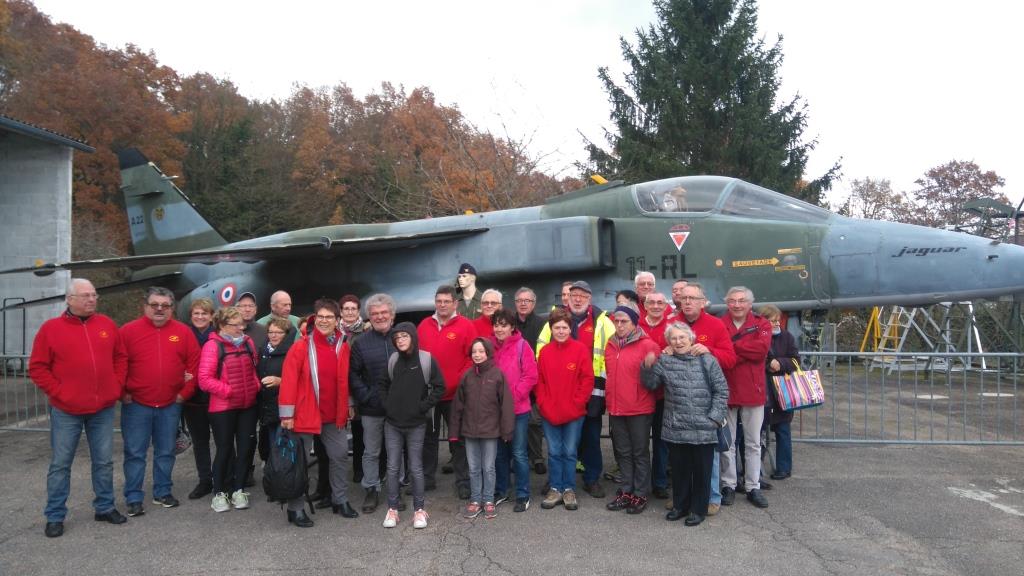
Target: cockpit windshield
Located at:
point(685, 194)
point(727, 195)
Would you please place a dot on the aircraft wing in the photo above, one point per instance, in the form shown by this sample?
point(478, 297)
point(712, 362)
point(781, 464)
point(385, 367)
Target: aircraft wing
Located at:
point(324, 247)
point(158, 280)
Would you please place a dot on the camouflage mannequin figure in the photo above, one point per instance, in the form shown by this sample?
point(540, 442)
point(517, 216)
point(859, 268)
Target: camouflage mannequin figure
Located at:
point(468, 304)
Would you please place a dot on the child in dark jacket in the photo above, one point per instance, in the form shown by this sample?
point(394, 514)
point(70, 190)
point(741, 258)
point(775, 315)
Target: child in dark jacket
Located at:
point(408, 395)
point(483, 410)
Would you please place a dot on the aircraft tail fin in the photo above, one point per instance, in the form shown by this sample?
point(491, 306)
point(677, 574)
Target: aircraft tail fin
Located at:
point(161, 218)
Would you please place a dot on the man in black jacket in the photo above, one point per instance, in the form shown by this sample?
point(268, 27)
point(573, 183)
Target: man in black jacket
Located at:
point(368, 366)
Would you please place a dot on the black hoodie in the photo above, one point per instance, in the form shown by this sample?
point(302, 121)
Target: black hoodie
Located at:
point(405, 395)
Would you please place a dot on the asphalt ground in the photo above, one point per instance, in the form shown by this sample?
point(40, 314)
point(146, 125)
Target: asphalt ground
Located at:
point(847, 509)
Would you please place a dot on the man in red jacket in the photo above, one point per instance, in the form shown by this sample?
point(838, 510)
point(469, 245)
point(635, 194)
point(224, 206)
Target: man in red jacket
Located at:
point(163, 360)
point(751, 338)
point(448, 337)
point(78, 360)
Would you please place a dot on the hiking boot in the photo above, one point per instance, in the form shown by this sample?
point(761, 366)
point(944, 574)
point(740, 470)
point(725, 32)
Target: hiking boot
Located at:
point(201, 489)
point(713, 509)
point(54, 529)
point(490, 511)
point(419, 519)
point(499, 500)
point(522, 505)
point(637, 505)
point(569, 499)
point(693, 519)
point(595, 489)
point(135, 509)
point(371, 501)
point(728, 496)
point(756, 498)
point(391, 520)
point(168, 501)
point(345, 510)
point(472, 510)
point(240, 500)
point(220, 502)
point(620, 502)
point(614, 476)
point(554, 498)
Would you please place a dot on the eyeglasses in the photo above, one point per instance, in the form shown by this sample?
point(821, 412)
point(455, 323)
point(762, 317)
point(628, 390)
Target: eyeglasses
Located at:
point(235, 324)
point(524, 301)
point(89, 296)
point(490, 303)
point(320, 318)
point(622, 321)
point(159, 306)
point(645, 283)
point(691, 298)
point(736, 301)
point(657, 303)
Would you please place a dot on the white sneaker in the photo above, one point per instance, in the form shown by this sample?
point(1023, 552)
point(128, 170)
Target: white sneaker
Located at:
point(240, 500)
point(391, 520)
point(419, 520)
point(220, 502)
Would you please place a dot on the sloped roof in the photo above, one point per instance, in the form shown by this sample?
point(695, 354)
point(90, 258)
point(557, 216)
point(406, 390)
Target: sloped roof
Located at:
point(40, 133)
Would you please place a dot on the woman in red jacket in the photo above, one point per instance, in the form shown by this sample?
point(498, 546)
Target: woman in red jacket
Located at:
point(227, 371)
point(314, 400)
point(565, 379)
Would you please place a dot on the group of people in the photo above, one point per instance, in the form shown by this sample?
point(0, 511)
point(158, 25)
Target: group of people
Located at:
point(495, 379)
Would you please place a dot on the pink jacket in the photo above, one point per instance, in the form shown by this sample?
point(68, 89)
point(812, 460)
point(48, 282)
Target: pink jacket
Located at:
point(237, 384)
point(516, 360)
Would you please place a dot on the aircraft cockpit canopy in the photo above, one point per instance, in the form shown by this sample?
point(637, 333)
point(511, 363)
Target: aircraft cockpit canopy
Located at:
point(689, 194)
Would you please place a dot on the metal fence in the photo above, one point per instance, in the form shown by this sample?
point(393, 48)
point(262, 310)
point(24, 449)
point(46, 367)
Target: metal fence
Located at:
point(24, 404)
point(929, 398)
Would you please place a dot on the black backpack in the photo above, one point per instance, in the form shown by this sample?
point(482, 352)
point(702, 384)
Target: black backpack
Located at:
point(285, 477)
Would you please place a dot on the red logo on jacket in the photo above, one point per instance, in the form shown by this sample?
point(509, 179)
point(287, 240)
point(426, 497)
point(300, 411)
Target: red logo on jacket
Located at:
point(174, 338)
point(451, 336)
point(571, 366)
point(588, 328)
point(104, 334)
point(702, 338)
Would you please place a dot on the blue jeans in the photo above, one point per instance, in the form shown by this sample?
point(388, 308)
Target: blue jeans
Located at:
point(138, 425)
point(562, 443)
point(512, 456)
point(783, 448)
point(480, 454)
point(716, 480)
point(590, 449)
point(65, 430)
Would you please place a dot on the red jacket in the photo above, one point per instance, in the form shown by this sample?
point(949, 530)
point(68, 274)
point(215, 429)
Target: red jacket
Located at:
point(449, 345)
point(80, 365)
point(483, 327)
point(158, 359)
point(237, 384)
point(624, 393)
point(297, 398)
point(565, 379)
point(746, 378)
point(711, 332)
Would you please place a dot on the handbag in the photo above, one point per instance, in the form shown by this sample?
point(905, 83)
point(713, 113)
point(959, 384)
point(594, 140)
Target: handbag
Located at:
point(724, 438)
point(799, 389)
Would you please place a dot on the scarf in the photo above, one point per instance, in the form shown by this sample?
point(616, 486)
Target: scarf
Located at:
point(313, 370)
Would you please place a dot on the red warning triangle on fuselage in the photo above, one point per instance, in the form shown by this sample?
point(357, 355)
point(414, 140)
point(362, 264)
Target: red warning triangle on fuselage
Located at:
point(679, 238)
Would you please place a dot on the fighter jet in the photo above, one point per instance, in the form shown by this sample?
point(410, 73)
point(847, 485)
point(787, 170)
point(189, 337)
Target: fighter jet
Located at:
point(717, 230)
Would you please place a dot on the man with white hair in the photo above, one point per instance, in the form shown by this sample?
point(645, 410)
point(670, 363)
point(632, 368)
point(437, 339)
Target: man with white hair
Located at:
point(490, 301)
point(643, 284)
point(281, 307)
point(79, 361)
point(751, 339)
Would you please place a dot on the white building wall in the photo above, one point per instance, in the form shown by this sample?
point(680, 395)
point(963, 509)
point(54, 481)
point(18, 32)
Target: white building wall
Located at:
point(35, 225)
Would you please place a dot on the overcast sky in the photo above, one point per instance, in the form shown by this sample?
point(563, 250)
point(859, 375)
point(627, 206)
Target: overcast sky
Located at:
point(893, 87)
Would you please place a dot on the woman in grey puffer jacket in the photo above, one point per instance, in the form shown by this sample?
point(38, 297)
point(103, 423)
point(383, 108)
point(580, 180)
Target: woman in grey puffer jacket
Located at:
point(695, 406)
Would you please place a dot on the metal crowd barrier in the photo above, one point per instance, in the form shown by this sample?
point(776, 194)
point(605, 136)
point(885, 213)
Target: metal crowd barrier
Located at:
point(926, 398)
point(24, 405)
point(915, 398)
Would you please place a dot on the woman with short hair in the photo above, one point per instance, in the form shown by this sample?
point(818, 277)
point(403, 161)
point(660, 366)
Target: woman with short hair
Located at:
point(695, 407)
point(782, 359)
point(196, 409)
point(314, 400)
point(227, 371)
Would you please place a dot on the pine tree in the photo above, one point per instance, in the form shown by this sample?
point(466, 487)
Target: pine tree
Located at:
point(701, 99)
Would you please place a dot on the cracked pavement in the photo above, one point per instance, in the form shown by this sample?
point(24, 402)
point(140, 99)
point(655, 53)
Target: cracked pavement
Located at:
point(848, 509)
